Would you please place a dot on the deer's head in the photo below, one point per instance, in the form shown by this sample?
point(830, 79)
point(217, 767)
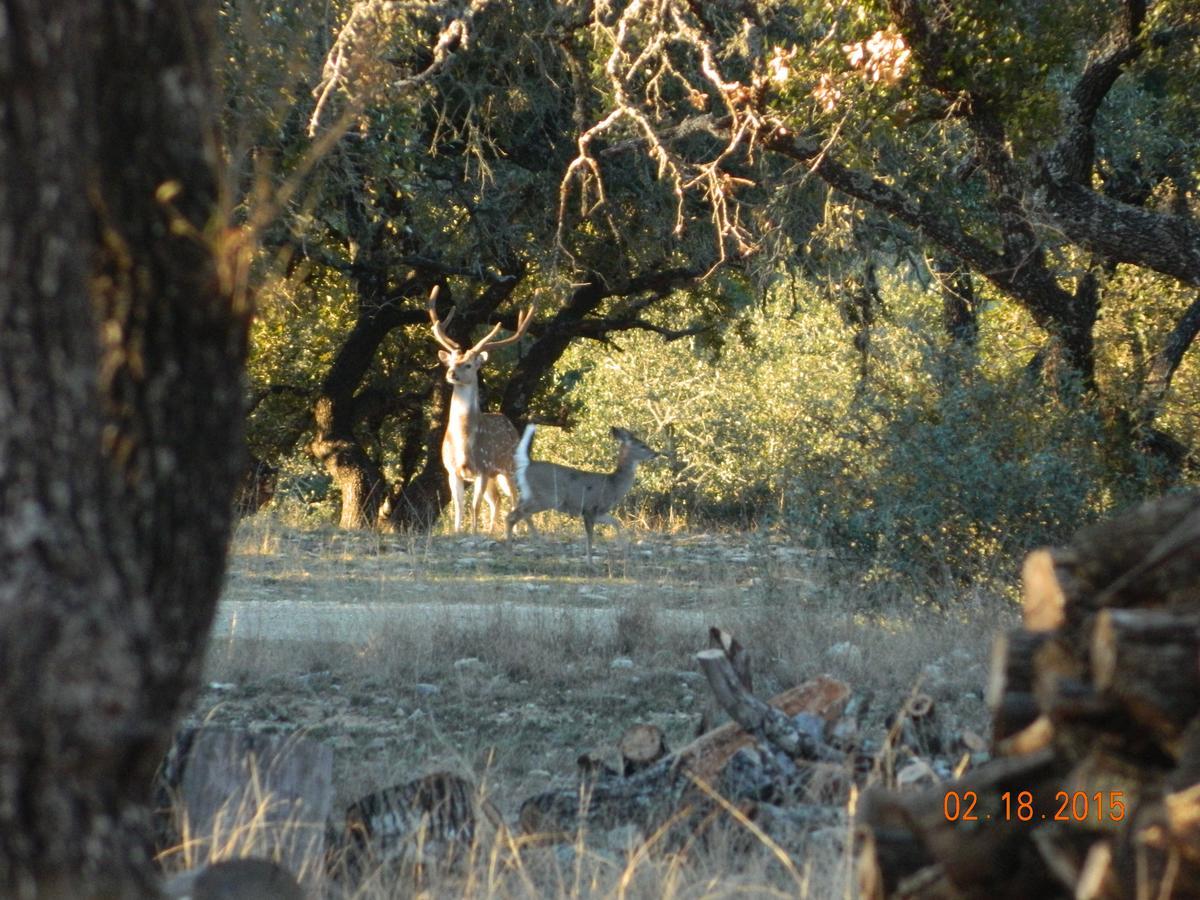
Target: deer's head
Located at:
point(462, 365)
point(632, 446)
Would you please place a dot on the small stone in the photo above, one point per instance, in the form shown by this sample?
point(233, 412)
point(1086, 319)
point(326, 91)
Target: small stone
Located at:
point(424, 689)
point(621, 662)
point(846, 653)
point(916, 772)
point(811, 726)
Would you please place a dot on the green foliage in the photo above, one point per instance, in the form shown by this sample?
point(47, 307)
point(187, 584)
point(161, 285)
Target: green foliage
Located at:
point(930, 467)
point(925, 464)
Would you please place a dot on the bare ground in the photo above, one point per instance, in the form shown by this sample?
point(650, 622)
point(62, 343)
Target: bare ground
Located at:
point(504, 663)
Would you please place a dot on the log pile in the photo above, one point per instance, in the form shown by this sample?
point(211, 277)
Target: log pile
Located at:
point(772, 764)
point(1095, 704)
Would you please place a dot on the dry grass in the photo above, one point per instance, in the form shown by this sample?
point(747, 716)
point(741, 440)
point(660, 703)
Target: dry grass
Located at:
point(503, 663)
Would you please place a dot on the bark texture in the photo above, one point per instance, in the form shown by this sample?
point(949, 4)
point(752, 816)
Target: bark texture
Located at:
point(120, 408)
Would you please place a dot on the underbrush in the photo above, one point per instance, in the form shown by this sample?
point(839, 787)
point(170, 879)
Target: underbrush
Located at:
point(921, 468)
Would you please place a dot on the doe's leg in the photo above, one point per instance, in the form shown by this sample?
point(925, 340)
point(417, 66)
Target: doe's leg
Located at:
point(510, 520)
point(589, 523)
point(457, 491)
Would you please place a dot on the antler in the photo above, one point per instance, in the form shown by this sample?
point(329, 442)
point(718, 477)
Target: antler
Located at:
point(523, 321)
point(439, 334)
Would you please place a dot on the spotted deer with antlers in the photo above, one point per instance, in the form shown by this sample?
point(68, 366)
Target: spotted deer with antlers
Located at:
point(478, 446)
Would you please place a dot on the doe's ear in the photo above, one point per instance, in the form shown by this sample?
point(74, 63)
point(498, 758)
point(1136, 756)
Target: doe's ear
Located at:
point(619, 434)
point(444, 356)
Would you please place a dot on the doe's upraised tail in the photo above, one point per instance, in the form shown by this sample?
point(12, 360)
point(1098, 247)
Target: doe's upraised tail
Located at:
point(521, 459)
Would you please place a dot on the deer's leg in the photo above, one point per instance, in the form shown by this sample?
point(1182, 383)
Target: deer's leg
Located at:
point(506, 486)
point(456, 491)
point(612, 520)
point(479, 491)
point(589, 522)
point(520, 513)
point(512, 519)
point(492, 496)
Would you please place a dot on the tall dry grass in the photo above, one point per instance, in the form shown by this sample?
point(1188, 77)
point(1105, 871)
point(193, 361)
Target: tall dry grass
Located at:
point(534, 679)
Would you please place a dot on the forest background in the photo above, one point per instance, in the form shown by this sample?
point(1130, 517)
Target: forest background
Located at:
point(915, 281)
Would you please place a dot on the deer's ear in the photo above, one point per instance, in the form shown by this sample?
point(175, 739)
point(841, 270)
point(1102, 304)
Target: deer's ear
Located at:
point(482, 356)
point(617, 433)
point(444, 356)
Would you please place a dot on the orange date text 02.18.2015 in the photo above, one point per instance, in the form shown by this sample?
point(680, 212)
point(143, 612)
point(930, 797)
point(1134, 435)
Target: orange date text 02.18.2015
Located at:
point(1022, 806)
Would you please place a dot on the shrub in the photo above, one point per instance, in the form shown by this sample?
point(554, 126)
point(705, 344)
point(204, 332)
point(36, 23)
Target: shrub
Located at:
point(928, 467)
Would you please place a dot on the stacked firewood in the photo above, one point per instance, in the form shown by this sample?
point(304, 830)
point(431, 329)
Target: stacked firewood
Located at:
point(1095, 791)
point(777, 764)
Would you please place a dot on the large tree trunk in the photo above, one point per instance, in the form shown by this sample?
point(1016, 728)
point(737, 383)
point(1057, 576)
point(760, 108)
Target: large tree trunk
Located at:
point(419, 498)
point(120, 408)
point(337, 412)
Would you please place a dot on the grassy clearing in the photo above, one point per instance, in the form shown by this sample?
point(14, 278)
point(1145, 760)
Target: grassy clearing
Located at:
point(556, 658)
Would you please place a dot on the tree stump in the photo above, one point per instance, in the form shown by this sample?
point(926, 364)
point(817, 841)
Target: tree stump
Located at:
point(253, 795)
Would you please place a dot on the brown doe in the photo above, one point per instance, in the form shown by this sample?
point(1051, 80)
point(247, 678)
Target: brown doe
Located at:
point(589, 495)
point(478, 446)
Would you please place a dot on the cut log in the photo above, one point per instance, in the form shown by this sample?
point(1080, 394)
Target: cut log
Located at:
point(1170, 570)
point(653, 794)
point(430, 821)
point(1148, 661)
point(739, 656)
point(976, 829)
point(1066, 696)
point(641, 746)
point(821, 696)
point(755, 716)
point(1037, 735)
point(1183, 818)
point(1097, 879)
point(1009, 692)
point(919, 728)
point(1096, 716)
point(646, 800)
point(1046, 584)
point(1146, 556)
point(255, 794)
point(1011, 715)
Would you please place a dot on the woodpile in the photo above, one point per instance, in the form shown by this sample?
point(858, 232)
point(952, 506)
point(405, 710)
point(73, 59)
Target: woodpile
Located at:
point(1096, 789)
point(773, 765)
